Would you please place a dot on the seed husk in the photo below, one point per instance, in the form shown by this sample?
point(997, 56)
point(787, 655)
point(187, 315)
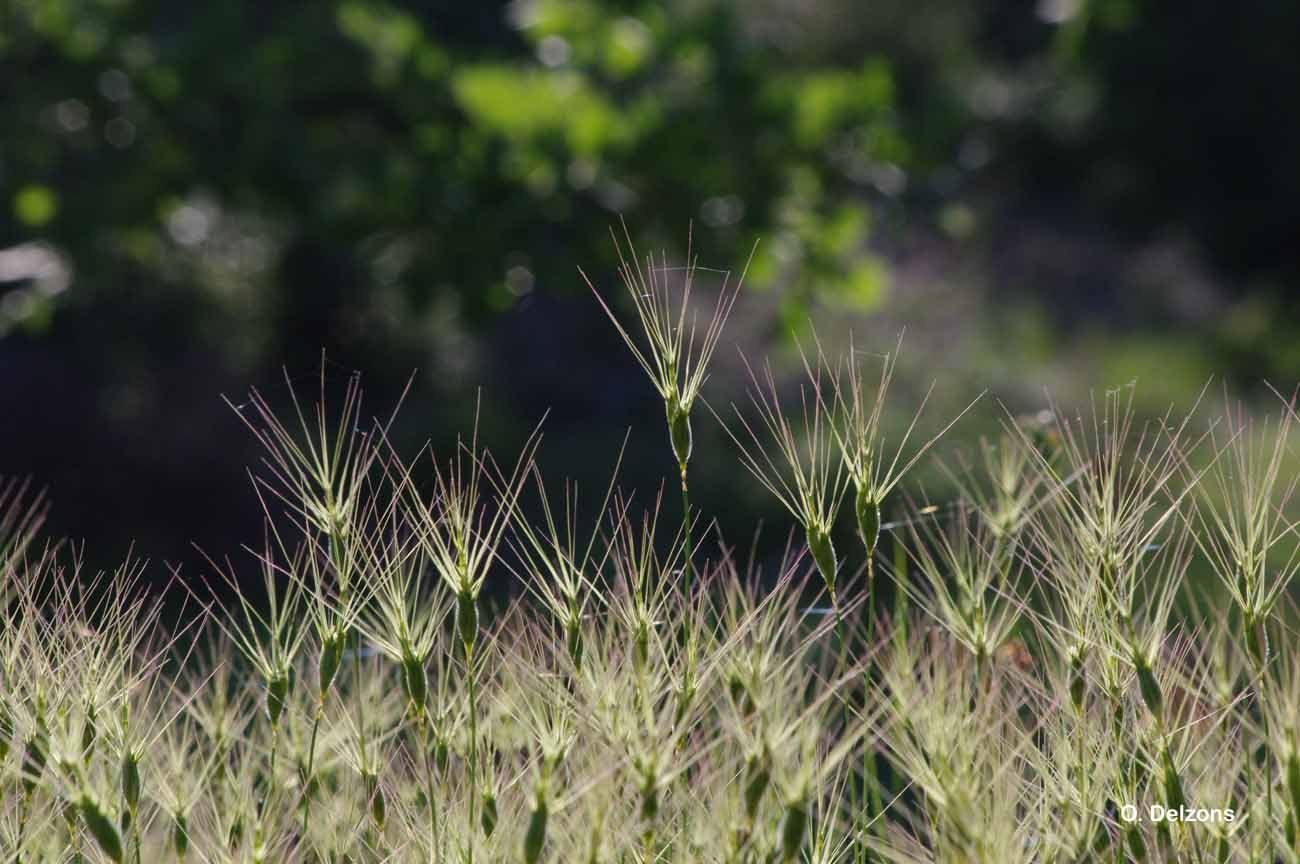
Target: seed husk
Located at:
point(88, 731)
point(641, 643)
point(1149, 686)
point(679, 432)
point(101, 827)
point(868, 513)
point(823, 553)
point(1078, 679)
point(535, 836)
point(180, 834)
point(34, 755)
point(415, 681)
point(1293, 781)
point(236, 833)
point(756, 785)
point(1136, 845)
point(131, 780)
point(488, 816)
point(649, 800)
point(441, 753)
point(1257, 641)
point(467, 618)
point(277, 695)
point(331, 657)
point(378, 807)
point(1173, 783)
point(573, 641)
point(794, 824)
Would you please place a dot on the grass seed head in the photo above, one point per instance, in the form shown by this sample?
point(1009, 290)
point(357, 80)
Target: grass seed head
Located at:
point(180, 835)
point(278, 685)
point(1078, 677)
point(1293, 782)
point(101, 827)
point(375, 795)
point(415, 682)
point(535, 834)
point(794, 825)
point(467, 623)
point(867, 510)
point(758, 777)
point(331, 657)
point(488, 813)
point(130, 780)
point(6, 729)
point(1148, 686)
point(35, 752)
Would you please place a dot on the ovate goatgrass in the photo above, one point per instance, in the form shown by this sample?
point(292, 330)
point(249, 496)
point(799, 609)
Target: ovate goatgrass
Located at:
point(346, 692)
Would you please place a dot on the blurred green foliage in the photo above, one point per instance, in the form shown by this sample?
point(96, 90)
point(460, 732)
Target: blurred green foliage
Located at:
point(193, 195)
point(432, 149)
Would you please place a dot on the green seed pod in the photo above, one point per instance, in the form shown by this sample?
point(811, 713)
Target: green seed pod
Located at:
point(1149, 686)
point(310, 783)
point(684, 697)
point(277, 695)
point(415, 681)
point(823, 553)
point(131, 780)
point(794, 824)
point(236, 833)
point(573, 640)
point(649, 800)
point(180, 835)
point(1165, 840)
point(1293, 781)
point(488, 816)
point(535, 836)
point(1173, 784)
point(6, 730)
point(331, 657)
point(756, 785)
point(441, 753)
point(467, 618)
point(101, 827)
point(1078, 680)
point(378, 807)
point(679, 432)
point(1137, 847)
point(641, 644)
point(1257, 641)
point(89, 732)
point(868, 513)
point(34, 755)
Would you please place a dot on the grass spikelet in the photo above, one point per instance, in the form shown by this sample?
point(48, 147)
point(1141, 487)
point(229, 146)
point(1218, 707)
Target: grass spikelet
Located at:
point(872, 468)
point(806, 475)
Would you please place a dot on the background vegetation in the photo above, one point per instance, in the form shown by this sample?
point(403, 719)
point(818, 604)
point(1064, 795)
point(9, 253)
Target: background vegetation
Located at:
point(1063, 193)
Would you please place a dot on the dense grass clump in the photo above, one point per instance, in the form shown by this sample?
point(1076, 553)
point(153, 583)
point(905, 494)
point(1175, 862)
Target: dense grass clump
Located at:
point(1044, 670)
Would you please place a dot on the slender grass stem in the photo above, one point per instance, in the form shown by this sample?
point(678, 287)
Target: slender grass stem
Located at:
point(23, 814)
point(688, 550)
point(1261, 673)
point(426, 741)
point(311, 766)
point(473, 751)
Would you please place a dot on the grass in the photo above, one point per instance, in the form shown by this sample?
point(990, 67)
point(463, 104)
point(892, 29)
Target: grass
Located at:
point(651, 697)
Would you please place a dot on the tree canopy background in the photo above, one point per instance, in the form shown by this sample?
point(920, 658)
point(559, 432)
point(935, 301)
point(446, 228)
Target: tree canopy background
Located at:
point(195, 196)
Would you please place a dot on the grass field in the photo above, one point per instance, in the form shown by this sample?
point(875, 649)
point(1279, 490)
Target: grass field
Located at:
point(1044, 685)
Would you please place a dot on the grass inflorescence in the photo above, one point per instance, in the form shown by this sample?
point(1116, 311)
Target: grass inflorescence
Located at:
point(345, 691)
